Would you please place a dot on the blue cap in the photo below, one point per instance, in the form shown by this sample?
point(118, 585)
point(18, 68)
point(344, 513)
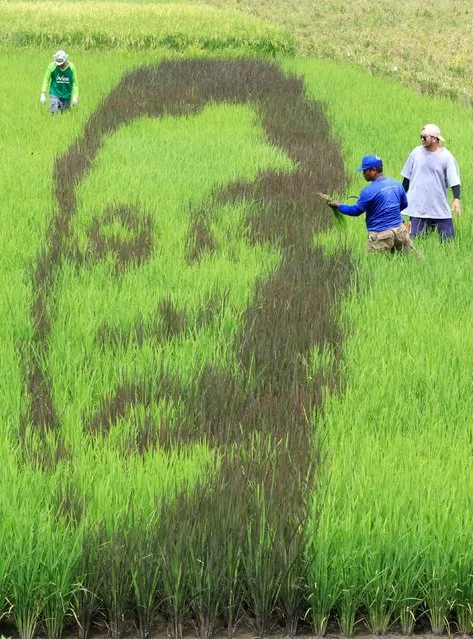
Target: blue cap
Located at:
point(370, 162)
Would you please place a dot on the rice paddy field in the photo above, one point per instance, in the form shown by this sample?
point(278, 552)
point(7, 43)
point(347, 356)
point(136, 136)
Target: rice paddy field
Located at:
point(218, 413)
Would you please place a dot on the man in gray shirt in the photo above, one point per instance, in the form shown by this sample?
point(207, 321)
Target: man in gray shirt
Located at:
point(428, 172)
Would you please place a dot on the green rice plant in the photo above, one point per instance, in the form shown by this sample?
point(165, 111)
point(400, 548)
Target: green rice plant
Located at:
point(323, 587)
point(351, 587)
point(438, 596)
point(464, 617)
point(381, 569)
point(323, 579)
point(407, 589)
point(5, 559)
point(26, 533)
point(60, 565)
point(348, 607)
point(380, 602)
point(26, 587)
point(439, 579)
point(438, 604)
point(463, 605)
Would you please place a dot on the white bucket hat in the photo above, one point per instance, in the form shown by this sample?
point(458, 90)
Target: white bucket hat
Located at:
point(433, 130)
point(60, 57)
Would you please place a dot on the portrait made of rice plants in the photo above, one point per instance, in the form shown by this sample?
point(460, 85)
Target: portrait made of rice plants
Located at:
point(181, 298)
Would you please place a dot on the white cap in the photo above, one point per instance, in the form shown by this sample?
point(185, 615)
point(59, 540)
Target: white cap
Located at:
point(60, 57)
point(433, 130)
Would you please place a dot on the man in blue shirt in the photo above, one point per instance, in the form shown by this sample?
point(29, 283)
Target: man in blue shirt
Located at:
point(382, 201)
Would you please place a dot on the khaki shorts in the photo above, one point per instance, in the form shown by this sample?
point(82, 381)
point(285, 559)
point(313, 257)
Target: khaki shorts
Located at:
point(396, 239)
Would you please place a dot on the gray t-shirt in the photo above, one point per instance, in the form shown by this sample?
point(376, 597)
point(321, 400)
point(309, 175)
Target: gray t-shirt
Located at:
point(430, 174)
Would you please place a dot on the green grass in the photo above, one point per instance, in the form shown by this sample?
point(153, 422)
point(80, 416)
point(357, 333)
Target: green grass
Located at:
point(399, 435)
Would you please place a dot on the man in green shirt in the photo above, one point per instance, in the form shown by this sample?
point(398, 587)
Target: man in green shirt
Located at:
point(61, 78)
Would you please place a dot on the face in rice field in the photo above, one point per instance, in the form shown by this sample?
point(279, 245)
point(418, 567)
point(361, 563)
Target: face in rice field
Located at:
point(157, 274)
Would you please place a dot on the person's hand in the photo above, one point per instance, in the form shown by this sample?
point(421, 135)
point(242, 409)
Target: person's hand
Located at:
point(333, 204)
point(42, 98)
point(457, 209)
point(75, 101)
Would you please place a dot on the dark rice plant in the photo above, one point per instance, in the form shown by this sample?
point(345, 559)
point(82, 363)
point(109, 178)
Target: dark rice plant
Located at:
point(145, 568)
point(117, 587)
point(174, 579)
point(86, 603)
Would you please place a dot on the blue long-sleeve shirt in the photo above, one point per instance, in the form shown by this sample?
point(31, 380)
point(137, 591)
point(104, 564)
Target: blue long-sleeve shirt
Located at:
point(382, 200)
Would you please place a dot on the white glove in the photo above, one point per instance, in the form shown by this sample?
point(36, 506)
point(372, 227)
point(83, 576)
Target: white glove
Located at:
point(75, 101)
point(42, 98)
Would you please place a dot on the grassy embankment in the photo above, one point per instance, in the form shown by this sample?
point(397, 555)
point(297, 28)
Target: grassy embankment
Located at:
point(140, 27)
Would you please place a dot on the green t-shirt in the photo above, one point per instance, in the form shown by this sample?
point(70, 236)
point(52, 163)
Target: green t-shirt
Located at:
point(62, 82)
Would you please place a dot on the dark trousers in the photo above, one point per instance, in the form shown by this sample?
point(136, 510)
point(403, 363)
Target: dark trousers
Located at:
point(424, 225)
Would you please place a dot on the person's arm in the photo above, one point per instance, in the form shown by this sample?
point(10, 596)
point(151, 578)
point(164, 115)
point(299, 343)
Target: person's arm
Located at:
point(453, 180)
point(75, 85)
point(353, 210)
point(403, 201)
point(47, 77)
point(350, 209)
point(456, 200)
point(407, 171)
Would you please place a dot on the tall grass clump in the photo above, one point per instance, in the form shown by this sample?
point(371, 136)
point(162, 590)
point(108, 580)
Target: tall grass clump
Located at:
point(44, 577)
point(463, 596)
